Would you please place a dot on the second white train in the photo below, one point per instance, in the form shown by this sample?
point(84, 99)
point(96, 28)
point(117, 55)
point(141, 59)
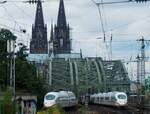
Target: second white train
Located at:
point(62, 98)
point(111, 98)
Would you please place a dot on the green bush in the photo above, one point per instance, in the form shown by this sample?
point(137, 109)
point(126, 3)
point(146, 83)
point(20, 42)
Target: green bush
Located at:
point(52, 110)
point(147, 97)
point(8, 106)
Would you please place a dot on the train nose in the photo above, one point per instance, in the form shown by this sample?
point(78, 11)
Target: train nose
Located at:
point(49, 104)
point(122, 102)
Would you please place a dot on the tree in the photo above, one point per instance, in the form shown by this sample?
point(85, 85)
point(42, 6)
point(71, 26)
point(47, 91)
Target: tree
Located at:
point(26, 78)
point(27, 81)
point(4, 36)
point(147, 83)
point(22, 53)
point(9, 107)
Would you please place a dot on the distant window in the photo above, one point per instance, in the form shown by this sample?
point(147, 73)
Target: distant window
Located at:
point(61, 42)
point(50, 97)
point(121, 96)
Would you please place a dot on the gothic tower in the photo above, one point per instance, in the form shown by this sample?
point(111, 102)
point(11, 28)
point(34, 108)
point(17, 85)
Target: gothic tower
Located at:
point(39, 44)
point(61, 36)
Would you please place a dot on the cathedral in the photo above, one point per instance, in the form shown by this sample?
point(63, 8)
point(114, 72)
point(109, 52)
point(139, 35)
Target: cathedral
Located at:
point(59, 43)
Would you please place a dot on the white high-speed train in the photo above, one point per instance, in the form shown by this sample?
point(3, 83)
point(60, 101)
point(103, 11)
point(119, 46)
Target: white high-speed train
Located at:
point(111, 98)
point(62, 98)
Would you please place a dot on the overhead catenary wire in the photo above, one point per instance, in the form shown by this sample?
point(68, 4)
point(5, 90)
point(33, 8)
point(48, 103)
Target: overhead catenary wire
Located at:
point(9, 15)
point(27, 1)
point(101, 18)
point(23, 11)
point(126, 1)
point(18, 22)
point(82, 32)
point(135, 21)
point(104, 15)
point(103, 26)
point(146, 18)
point(15, 30)
point(118, 2)
point(102, 3)
point(105, 30)
point(114, 2)
point(20, 30)
point(8, 27)
point(13, 20)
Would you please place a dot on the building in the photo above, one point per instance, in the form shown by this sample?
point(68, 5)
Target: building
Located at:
point(60, 42)
point(39, 43)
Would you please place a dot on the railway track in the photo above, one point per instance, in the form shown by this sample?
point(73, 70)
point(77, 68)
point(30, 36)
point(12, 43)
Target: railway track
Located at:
point(109, 110)
point(100, 109)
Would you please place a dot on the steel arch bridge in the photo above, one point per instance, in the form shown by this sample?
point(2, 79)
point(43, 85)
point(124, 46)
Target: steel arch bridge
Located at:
point(84, 75)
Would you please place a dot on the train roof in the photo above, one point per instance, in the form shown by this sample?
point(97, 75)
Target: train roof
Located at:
point(137, 95)
point(53, 93)
point(108, 94)
point(62, 93)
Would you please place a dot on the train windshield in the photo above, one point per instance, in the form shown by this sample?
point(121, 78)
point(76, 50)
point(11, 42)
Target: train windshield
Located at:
point(50, 97)
point(121, 96)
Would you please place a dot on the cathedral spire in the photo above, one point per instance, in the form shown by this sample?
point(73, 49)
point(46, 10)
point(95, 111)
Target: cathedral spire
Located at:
point(39, 19)
point(61, 21)
point(61, 36)
point(39, 44)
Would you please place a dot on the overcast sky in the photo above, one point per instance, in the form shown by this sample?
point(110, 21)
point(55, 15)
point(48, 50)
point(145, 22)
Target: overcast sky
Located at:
point(127, 22)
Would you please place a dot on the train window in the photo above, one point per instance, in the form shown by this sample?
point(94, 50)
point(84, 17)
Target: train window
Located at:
point(72, 99)
point(106, 98)
point(121, 96)
point(97, 98)
point(50, 97)
point(113, 98)
point(63, 98)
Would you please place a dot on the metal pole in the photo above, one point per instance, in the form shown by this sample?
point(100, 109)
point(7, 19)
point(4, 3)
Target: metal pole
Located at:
point(138, 80)
point(142, 78)
point(10, 71)
point(14, 76)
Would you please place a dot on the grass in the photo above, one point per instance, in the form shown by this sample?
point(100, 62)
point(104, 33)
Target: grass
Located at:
point(52, 110)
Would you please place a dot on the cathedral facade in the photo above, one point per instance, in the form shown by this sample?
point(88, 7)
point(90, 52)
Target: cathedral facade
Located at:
point(59, 43)
point(60, 34)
